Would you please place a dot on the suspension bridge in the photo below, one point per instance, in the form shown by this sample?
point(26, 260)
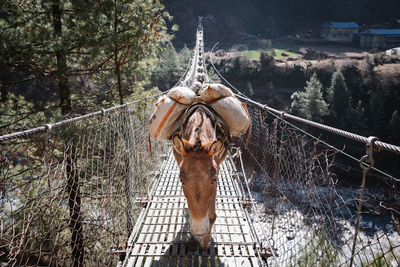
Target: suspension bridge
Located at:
point(86, 191)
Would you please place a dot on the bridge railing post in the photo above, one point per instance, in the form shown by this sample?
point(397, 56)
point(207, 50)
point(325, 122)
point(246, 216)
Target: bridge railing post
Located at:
point(130, 172)
point(74, 201)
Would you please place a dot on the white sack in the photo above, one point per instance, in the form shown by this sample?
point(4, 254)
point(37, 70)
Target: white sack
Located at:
point(214, 91)
point(182, 95)
point(234, 113)
point(164, 119)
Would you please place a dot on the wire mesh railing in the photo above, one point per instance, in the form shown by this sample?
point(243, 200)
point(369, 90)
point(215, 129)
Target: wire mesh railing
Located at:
point(68, 191)
point(310, 214)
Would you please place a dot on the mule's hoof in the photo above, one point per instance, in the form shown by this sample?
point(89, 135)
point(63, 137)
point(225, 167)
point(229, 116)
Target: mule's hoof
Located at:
point(192, 244)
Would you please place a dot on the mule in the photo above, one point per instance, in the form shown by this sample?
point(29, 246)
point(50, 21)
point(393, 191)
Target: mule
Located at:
point(199, 150)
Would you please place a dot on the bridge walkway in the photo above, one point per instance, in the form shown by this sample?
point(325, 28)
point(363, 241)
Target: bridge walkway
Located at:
point(160, 234)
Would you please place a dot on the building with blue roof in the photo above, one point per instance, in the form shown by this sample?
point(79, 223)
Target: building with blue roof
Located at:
point(339, 31)
point(380, 38)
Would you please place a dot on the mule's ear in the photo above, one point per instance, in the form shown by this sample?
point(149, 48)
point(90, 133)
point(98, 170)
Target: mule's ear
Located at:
point(179, 145)
point(215, 147)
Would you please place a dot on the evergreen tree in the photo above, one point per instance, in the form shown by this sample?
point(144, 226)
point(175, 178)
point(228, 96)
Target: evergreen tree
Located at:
point(167, 72)
point(213, 75)
point(310, 103)
point(185, 55)
point(106, 40)
point(338, 95)
point(354, 82)
point(37, 37)
point(356, 119)
point(131, 33)
point(377, 114)
point(19, 114)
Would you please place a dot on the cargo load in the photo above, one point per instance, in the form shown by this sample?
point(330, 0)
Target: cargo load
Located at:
point(234, 113)
point(215, 91)
point(183, 95)
point(165, 119)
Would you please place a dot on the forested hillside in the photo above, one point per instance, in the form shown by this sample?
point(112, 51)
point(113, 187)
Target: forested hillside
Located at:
point(225, 20)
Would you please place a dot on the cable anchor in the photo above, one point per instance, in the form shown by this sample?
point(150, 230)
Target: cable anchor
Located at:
point(49, 130)
point(367, 161)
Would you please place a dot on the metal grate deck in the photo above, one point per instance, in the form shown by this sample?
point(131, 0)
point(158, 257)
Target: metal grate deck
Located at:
point(162, 229)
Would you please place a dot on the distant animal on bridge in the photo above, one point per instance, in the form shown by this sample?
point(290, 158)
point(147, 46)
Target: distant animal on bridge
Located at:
point(199, 150)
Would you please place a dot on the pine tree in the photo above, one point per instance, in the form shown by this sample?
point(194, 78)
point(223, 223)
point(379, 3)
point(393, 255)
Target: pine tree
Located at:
point(129, 34)
point(338, 96)
point(185, 55)
point(213, 75)
point(310, 103)
point(108, 40)
point(167, 72)
point(377, 114)
point(354, 82)
point(36, 37)
point(356, 119)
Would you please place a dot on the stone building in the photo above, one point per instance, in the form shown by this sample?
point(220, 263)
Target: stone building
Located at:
point(339, 31)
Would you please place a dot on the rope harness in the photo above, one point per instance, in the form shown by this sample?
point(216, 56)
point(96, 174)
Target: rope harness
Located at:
point(220, 128)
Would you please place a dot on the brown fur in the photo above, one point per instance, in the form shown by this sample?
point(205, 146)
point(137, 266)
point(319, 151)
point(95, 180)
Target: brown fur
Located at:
point(199, 154)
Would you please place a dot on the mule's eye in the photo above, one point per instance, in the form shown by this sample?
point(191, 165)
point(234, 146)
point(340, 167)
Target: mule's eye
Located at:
point(213, 172)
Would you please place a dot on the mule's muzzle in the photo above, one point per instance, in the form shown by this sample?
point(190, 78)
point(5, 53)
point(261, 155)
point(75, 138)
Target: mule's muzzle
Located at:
point(199, 228)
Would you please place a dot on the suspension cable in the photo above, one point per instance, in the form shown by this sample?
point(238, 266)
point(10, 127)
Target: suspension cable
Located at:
point(350, 135)
point(45, 127)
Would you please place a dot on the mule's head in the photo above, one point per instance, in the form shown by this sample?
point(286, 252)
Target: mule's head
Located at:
point(199, 168)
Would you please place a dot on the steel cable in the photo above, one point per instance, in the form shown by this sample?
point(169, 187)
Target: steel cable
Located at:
point(46, 127)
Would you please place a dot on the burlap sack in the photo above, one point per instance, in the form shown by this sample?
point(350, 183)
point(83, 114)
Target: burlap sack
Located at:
point(214, 91)
point(234, 113)
point(164, 119)
point(183, 95)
